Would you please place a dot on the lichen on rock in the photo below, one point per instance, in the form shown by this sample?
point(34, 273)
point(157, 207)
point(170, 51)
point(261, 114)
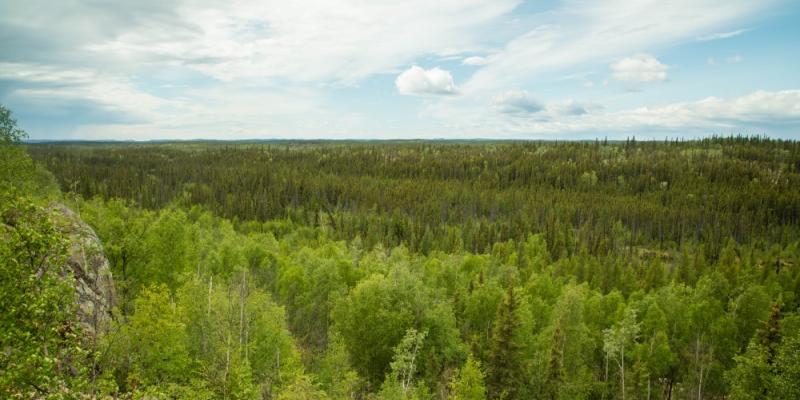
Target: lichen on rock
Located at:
point(94, 283)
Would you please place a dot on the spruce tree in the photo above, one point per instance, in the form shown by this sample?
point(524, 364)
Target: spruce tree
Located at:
point(504, 358)
point(555, 374)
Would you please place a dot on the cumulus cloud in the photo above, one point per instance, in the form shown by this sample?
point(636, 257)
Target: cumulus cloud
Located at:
point(516, 102)
point(418, 81)
point(641, 68)
point(475, 61)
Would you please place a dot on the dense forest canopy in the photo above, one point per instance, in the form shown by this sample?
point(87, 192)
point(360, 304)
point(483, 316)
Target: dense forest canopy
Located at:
point(597, 196)
point(424, 270)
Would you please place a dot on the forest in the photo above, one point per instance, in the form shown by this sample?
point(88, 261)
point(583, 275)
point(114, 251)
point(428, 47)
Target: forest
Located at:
point(407, 269)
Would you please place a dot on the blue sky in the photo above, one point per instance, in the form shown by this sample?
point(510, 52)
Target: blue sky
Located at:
point(576, 69)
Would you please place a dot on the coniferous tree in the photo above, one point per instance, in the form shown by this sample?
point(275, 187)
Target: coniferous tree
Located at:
point(505, 365)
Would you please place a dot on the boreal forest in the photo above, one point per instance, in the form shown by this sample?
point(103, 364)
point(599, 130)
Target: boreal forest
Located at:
point(399, 269)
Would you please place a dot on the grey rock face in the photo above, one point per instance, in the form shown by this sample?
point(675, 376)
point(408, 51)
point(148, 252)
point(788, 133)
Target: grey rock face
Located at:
point(93, 281)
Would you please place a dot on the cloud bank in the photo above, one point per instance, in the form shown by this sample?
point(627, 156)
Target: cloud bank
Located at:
point(242, 69)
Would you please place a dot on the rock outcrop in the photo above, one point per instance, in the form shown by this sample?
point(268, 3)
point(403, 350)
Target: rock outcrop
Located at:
point(93, 281)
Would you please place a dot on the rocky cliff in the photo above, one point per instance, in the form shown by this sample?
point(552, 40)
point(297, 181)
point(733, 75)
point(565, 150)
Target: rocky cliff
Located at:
point(94, 283)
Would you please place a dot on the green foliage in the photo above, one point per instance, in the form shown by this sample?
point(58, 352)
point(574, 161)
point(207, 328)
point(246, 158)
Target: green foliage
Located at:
point(405, 361)
point(618, 339)
point(469, 383)
point(42, 352)
point(17, 169)
point(336, 374)
point(378, 312)
point(373, 271)
point(9, 132)
point(302, 388)
point(505, 364)
point(614, 198)
point(153, 343)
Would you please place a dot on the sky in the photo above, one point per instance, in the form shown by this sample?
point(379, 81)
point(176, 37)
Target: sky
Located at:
point(374, 69)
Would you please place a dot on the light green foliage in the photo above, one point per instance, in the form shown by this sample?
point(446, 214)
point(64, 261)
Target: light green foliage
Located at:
point(753, 377)
point(478, 308)
point(17, 170)
point(469, 383)
point(376, 314)
point(654, 357)
point(618, 340)
point(15, 165)
point(769, 367)
point(567, 350)
point(122, 229)
point(406, 360)
point(41, 352)
point(336, 375)
point(239, 337)
point(302, 388)
point(153, 342)
point(168, 245)
point(787, 364)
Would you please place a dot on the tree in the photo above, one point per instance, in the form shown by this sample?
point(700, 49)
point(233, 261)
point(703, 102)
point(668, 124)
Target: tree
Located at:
point(43, 354)
point(9, 132)
point(401, 383)
point(654, 356)
point(619, 338)
point(787, 379)
point(151, 349)
point(239, 336)
point(555, 367)
point(752, 378)
point(762, 370)
point(504, 365)
point(336, 375)
point(468, 384)
point(16, 167)
point(302, 388)
point(375, 316)
point(404, 365)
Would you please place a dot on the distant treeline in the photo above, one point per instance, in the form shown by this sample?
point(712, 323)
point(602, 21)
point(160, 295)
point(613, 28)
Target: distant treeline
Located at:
point(594, 196)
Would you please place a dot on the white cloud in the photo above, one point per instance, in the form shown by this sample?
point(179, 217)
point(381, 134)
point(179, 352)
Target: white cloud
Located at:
point(516, 102)
point(595, 31)
point(331, 40)
point(475, 61)
point(721, 35)
point(125, 111)
point(268, 68)
point(642, 68)
point(417, 81)
point(48, 85)
point(757, 110)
